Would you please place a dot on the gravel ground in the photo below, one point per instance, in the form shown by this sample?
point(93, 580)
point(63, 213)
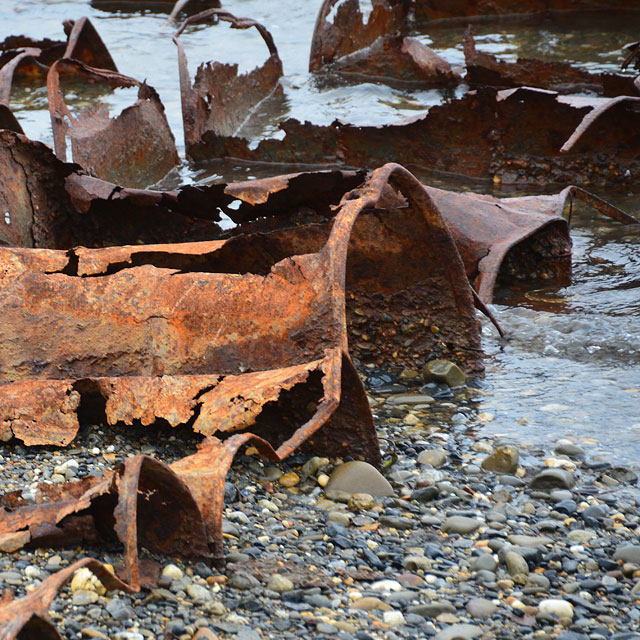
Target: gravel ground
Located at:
point(480, 538)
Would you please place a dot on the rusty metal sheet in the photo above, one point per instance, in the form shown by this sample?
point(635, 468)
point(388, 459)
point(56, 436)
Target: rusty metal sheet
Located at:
point(432, 10)
point(136, 148)
point(242, 356)
point(28, 617)
point(83, 43)
point(375, 50)
point(486, 69)
point(33, 199)
point(502, 240)
point(499, 135)
point(142, 504)
point(221, 100)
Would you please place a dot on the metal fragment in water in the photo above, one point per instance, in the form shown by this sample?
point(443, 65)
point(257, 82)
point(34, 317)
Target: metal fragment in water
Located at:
point(221, 100)
point(135, 148)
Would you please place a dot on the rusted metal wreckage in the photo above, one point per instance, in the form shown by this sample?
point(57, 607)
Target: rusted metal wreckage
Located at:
point(247, 336)
point(221, 100)
point(141, 147)
point(23, 58)
point(485, 69)
point(377, 49)
point(28, 617)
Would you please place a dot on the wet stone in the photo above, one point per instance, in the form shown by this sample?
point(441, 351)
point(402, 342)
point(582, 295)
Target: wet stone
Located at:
point(481, 608)
point(461, 525)
point(549, 479)
point(516, 564)
point(444, 371)
point(357, 477)
point(459, 632)
point(504, 459)
point(434, 457)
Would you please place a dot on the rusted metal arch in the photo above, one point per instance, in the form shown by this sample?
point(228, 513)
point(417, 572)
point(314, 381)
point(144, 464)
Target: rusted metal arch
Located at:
point(28, 617)
point(220, 100)
point(7, 119)
point(135, 148)
point(142, 504)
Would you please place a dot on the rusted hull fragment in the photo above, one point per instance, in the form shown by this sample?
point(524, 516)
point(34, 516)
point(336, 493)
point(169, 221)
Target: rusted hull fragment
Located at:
point(28, 617)
point(83, 43)
point(184, 334)
point(486, 69)
point(375, 50)
point(135, 148)
point(221, 100)
point(429, 10)
point(489, 134)
point(143, 504)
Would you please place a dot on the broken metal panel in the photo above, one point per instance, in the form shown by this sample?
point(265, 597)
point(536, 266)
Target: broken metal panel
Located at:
point(135, 148)
point(505, 239)
point(430, 10)
point(375, 50)
point(348, 32)
point(485, 134)
point(33, 201)
point(486, 69)
point(143, 504)
point(83, 44)
point(7, 119)
point(615, 121)
point(28, 618)
point(221, 100)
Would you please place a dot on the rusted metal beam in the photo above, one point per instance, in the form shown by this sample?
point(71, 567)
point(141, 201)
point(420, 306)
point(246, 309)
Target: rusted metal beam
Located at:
point(221, 100)
point(510, 136)
point(136, 148)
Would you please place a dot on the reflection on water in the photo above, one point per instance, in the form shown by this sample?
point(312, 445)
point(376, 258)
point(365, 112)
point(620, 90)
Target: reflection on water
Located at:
point(571, 363)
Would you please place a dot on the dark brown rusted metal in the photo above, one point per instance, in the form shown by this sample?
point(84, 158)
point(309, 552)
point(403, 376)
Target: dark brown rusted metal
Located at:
point(463, 10)
point(174, 7)
point(83, 43)
point(136, 148)
point(485, 134)
point(28, 617)
point(143, 504)
point(375, 50)
point(502, 240)
point(221, 100)
point(486, 69)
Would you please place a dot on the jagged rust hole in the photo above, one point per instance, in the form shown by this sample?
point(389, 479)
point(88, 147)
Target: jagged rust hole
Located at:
point(279, 419)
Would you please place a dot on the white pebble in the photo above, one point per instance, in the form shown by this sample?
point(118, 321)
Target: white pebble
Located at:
point(393, 618)
point(386, 586)
point(555, 606)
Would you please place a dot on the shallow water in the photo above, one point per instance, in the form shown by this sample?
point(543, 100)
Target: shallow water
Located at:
point(571, 363)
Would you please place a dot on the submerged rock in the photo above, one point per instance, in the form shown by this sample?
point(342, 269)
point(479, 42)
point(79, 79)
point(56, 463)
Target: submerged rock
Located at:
point(444, 371)
point(503, 459)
